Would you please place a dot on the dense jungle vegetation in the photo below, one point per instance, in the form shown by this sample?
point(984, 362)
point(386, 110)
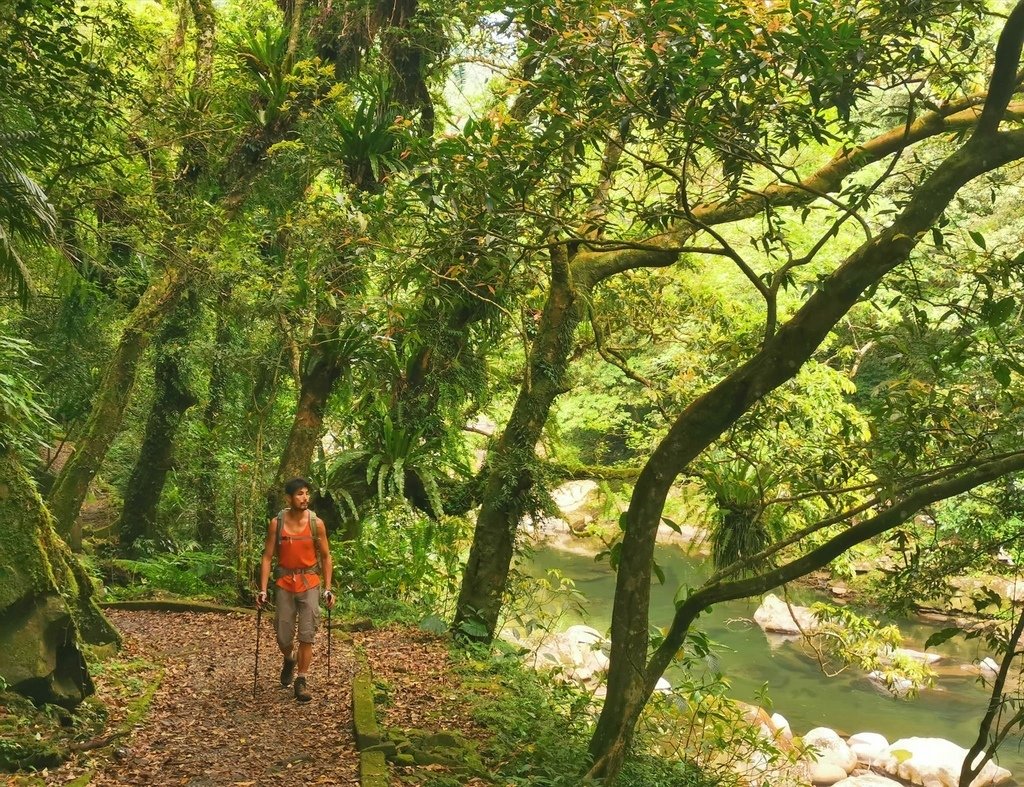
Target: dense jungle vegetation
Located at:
point(440, 256)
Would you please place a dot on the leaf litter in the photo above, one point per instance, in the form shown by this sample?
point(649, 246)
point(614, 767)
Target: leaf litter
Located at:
point(203, 728)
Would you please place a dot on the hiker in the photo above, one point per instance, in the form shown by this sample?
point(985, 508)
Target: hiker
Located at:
point(299, 541)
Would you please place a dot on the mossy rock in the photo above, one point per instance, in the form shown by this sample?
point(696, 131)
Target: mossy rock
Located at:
point(39, 654)
point(47, 606)
point(424, 747)
point(364, 718)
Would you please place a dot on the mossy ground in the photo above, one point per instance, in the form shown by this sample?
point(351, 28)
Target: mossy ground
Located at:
point(34, 738)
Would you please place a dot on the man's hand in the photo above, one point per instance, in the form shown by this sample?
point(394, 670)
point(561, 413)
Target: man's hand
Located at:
point(261, 599)
point(328, 599)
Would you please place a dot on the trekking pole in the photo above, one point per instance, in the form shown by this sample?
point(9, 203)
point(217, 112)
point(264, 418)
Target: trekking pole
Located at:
point(256, 666)
point(330, 636)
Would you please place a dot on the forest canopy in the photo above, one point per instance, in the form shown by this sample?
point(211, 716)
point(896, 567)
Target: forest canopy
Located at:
point(439, 257)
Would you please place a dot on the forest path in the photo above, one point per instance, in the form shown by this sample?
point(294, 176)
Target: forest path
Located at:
point(205, 728)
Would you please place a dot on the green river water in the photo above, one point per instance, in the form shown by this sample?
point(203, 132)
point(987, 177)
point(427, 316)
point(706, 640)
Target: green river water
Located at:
point(848, 703)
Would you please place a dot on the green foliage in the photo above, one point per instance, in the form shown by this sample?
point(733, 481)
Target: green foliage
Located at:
point(369, 139)
point(537, 604)
point(745, 525)
point(185, 570)
point(404, 556)
point(847, 638)
point(538, 729)
point(23, 418)
point(26, 215)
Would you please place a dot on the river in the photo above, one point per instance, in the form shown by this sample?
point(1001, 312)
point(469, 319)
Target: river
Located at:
point(798, 689)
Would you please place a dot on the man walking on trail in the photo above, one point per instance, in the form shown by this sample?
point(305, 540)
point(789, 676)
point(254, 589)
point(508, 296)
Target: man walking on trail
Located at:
point(300, 546)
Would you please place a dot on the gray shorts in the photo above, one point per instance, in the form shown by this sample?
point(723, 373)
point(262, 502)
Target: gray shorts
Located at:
point(304, 606)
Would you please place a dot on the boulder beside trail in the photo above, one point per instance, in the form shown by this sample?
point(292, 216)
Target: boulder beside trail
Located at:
point(46, 599)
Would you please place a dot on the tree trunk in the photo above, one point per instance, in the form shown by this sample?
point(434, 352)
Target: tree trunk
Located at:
point(711, 414)
point(206, 484)
point(46, 601)
point(172, 398)
point(108, 406)
point(320, 372)
point(510, 477)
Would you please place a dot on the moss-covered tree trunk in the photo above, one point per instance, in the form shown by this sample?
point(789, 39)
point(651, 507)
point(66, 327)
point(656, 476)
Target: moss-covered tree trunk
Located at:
point(510, 479)
point(207, 487)
point(71, 486)
point(46, 599)
point(322, 366)
point(173, 396)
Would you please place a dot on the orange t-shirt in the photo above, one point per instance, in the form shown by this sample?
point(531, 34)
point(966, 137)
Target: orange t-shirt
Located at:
point(297, 551)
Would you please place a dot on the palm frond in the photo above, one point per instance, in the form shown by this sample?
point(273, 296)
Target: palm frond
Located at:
point(26, 217)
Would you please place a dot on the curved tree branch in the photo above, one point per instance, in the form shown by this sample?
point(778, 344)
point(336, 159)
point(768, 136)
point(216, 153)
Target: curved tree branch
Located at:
point(1005, 79)
point(898, 513)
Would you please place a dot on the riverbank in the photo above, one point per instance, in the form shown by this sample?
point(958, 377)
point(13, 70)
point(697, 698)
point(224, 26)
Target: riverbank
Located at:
point(848, 702)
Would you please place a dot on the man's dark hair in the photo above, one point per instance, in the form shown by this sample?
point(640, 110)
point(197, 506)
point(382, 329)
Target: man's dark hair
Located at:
point(293, 486)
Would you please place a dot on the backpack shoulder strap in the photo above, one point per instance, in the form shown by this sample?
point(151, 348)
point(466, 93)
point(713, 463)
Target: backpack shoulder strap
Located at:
point(316, 542)
point(280, 528)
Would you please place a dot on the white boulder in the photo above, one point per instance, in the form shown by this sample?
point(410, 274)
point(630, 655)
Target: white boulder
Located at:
point(868, 747)
point(868, 780)
point(895, 685)
point(936, 762)
point(826, 773)
point(774, 616)
point(576, 651)
point(886, 656)
point(830, 748)
point(583, 635)
point(989, 667)
point(572, 495)
point(545, 526)
point(782, 726)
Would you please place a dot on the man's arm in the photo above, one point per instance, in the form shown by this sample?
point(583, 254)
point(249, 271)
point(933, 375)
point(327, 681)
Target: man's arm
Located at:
point(328, 563)
point(268, 554)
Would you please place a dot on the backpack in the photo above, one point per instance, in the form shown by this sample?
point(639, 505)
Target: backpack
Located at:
point(280, 572)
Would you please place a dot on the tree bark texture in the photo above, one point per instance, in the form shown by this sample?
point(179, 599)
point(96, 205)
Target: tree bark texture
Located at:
point(322, 368)
point(47, 606)
point(109, 403)
point(510, 474)
point(207, 488)
point(173, 396)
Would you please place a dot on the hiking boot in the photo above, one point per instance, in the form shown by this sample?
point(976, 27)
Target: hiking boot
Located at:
point(301, 692)
point(287, 672)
